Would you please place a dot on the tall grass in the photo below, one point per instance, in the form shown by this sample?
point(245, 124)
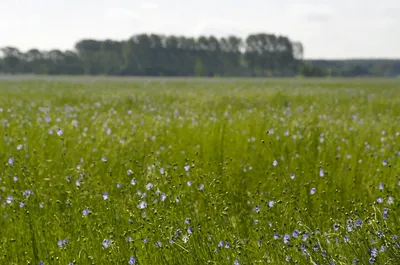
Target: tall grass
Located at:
point(196, 172)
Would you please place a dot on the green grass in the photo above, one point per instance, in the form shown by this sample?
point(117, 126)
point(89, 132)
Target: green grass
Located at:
point(229, 132)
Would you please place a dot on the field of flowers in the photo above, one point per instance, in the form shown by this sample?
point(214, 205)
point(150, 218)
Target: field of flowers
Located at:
point(199, 172)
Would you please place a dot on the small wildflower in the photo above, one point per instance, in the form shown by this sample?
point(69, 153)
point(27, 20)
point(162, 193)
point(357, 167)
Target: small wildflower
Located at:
point(201, 187)
point(85, 212)
point(163, 197)
point(149, 186)
point(132, 260)
point(286, 238)
point(321, 172)
point(104, 159)
point(379, 200)
point(9, 199)
point(129, 172)
point(105, 195)
point(63, 242)
point(271, 204)
point(158, 244)
point(106, 243)
point(292, 176)
point(381, 187)
point(275, 163)
point(312, 191)
point(133, 182)
point(142, 205)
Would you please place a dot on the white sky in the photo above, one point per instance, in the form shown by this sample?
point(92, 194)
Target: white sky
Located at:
point(327, 28)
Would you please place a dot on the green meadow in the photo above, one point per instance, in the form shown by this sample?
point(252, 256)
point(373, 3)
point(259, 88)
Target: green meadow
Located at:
point(199, 171)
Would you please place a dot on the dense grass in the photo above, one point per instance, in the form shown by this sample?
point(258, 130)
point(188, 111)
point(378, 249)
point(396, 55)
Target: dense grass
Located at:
point(232, 165)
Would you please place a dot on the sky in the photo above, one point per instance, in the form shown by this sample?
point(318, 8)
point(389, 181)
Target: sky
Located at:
point(328, 29)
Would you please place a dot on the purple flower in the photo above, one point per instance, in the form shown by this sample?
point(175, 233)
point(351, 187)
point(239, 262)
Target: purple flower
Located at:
point(379, 200)
point(271, 204)
point(9, 199)
point(276, 236)
point(321, 172)
point(201, 187)
point(359, 222)
point(105, 195)
point(85, 212)
point(275, 163)
point(106, 243)
point(381, 187)
point(132, 260)
point(187, 221)
point(221, 244)
point(142, 205)
point(27, 193)
point(163, 197)
point(374, 252)
point(335, 227)
point(63, 242)
point(292, 176)
point(286, 239)
point(158, 244)
point(149, 186)
point(296, 233)
point(312, 191)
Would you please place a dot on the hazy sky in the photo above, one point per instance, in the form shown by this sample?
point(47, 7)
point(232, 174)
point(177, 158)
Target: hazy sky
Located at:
point(327, 28)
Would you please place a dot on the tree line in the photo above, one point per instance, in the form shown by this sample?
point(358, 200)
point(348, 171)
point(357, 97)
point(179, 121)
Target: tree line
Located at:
point(158, 55)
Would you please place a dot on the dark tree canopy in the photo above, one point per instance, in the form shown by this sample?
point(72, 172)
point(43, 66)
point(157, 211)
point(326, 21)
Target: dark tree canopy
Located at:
point(259, 54)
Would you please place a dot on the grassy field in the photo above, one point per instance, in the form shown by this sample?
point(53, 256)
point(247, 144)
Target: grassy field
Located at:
point(181, 171)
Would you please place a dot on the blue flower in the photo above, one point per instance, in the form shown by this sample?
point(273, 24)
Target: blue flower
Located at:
point(132, 260)
point(374, 252)
point(62, 242)
point(312, 191)
point(286, 238)
point(106, 243)
point(85, 212)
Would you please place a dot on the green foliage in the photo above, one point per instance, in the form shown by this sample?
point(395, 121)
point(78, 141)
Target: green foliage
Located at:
point(155, 55)
point(258, 146)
